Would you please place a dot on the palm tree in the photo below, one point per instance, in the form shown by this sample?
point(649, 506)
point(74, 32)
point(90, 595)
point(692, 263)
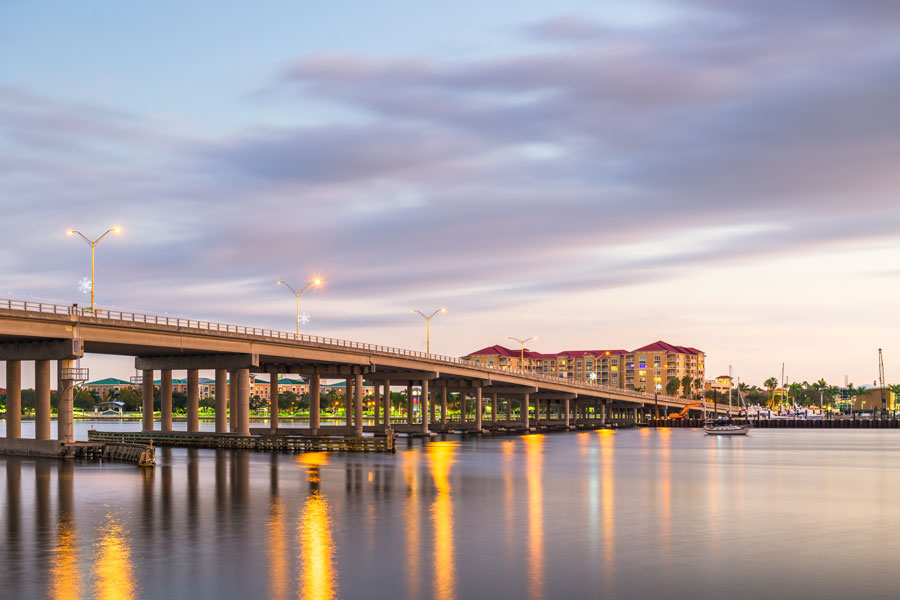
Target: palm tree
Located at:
point(672, 386)
point(686, 386)
point(698, 385)
point(794, 390)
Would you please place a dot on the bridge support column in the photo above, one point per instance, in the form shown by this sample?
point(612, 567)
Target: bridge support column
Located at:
point(603, 412)
point(444, 406)
point(508, 410)
point(273, 403)
point(165, 400)
point(537, 412)
point(524, 410)
point(221, 401)
point(479, 406)
point(13, 399)
point(65, 431)
point(348, 397)
point(423, 408)
point(232, 401)
point(193, 400)
point(409, 404)
point(494, 408)
point(358, 405)
point(386, 393)
point(574, 414)
point(566, 410)
point(243, 401)
point(42, 400)
point(314, 404)
point(147, 400)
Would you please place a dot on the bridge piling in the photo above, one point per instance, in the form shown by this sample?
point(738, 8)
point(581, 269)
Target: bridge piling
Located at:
point(523, 409)
point(273, 403)
point(409, 399)
point(65, 402)
point(444, 406)
point(165, 400)
point(193, 402)
point(478, 409)
point(147, 400)
point(358, 405)
point(42, 400)
point(348, 395)
point(221, 393)
point(13, 399)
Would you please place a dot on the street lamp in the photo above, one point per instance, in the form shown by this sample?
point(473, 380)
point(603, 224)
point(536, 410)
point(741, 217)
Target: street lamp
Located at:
point(428, 326)
point(315, 282)
point(523, 342)
point(93, 245)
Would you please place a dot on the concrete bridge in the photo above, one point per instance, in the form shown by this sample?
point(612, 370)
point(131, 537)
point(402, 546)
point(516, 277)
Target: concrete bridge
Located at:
point(50, 332)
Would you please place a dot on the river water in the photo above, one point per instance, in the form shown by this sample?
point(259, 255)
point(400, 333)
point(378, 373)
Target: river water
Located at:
point(626, 514)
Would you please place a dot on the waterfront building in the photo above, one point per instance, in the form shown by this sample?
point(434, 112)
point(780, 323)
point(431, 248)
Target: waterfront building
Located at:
point(642, 369)
point(339, 388)
point(261, 387)
point(721, 384)
point(107, 388)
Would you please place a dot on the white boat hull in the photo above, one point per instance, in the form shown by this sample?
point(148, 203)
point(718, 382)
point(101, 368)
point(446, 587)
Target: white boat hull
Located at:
point(726, 430)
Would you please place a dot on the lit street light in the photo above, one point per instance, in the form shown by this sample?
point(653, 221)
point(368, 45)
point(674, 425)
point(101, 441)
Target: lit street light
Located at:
point(315, 282)
point(428, 326)
point(523, 342)
point(93, 245)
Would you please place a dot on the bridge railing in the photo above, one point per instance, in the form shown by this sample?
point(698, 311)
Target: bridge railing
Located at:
point(437, 359)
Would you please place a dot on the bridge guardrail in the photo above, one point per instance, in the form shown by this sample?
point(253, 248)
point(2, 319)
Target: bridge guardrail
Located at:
point(437, 359)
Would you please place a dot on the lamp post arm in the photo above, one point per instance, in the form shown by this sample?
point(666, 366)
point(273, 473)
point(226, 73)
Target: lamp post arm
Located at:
point(106, 233)
point(85, 238)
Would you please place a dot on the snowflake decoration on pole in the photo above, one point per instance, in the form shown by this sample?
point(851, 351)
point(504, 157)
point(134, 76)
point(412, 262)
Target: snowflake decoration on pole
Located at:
point(84, 286)
point(592, 376)
point(304, 318)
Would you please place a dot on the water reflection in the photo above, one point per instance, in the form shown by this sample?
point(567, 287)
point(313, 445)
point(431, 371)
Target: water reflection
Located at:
point(113, 570)
point(277, 538)
point(440, 459)
point(318, 571)
point(534, 463)
point(65, 582)
point(608, 492)
point(411, 472)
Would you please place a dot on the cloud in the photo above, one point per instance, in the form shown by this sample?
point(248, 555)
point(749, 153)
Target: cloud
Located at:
point(494, 181)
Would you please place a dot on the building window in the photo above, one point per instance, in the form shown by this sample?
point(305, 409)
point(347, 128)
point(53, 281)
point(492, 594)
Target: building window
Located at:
point(614, 361)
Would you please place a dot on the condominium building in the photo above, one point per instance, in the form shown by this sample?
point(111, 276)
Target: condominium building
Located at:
point(642, 369)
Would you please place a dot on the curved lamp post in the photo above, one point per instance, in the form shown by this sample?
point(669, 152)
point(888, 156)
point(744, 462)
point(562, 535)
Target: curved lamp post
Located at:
point(523, 342)
point(428, 326)
point(315, 282)
point(93, 245)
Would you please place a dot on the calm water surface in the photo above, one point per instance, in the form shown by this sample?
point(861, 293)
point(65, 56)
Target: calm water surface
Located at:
point(628, 514)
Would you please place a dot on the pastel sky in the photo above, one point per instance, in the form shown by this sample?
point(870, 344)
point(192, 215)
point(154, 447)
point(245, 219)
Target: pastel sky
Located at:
point(721, 174)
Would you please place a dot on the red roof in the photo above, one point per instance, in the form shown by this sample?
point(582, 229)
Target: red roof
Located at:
point(499, 350)
point(581, 353)
point(661, 346)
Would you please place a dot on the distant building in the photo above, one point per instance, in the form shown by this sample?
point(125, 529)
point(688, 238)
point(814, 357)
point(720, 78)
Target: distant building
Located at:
point(107, 388)
point(642, 369)
point(721, 384)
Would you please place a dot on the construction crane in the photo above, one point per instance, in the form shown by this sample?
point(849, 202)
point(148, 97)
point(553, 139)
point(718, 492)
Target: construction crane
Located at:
point(881, 378)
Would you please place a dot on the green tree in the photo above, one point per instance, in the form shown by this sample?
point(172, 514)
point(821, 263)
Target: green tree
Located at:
point(84, 400)
point(770, 384)
point(131, 398)
point(672, 386)
point(686, 386)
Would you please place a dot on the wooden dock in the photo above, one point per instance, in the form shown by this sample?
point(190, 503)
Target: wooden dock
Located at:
point(276, 443)
point(838, 423)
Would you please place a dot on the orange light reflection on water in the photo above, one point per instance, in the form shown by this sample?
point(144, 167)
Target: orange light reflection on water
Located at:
point(608, 493)
point(318, 569)
point(534, 463)
point(65, 583)
point(441, 456)
point(113, 570)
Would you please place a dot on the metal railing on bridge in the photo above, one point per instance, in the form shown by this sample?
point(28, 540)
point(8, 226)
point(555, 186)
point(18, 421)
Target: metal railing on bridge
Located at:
point(437, 359)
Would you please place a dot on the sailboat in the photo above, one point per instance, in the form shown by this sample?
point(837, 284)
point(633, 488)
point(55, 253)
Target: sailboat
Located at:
point(725, 426)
